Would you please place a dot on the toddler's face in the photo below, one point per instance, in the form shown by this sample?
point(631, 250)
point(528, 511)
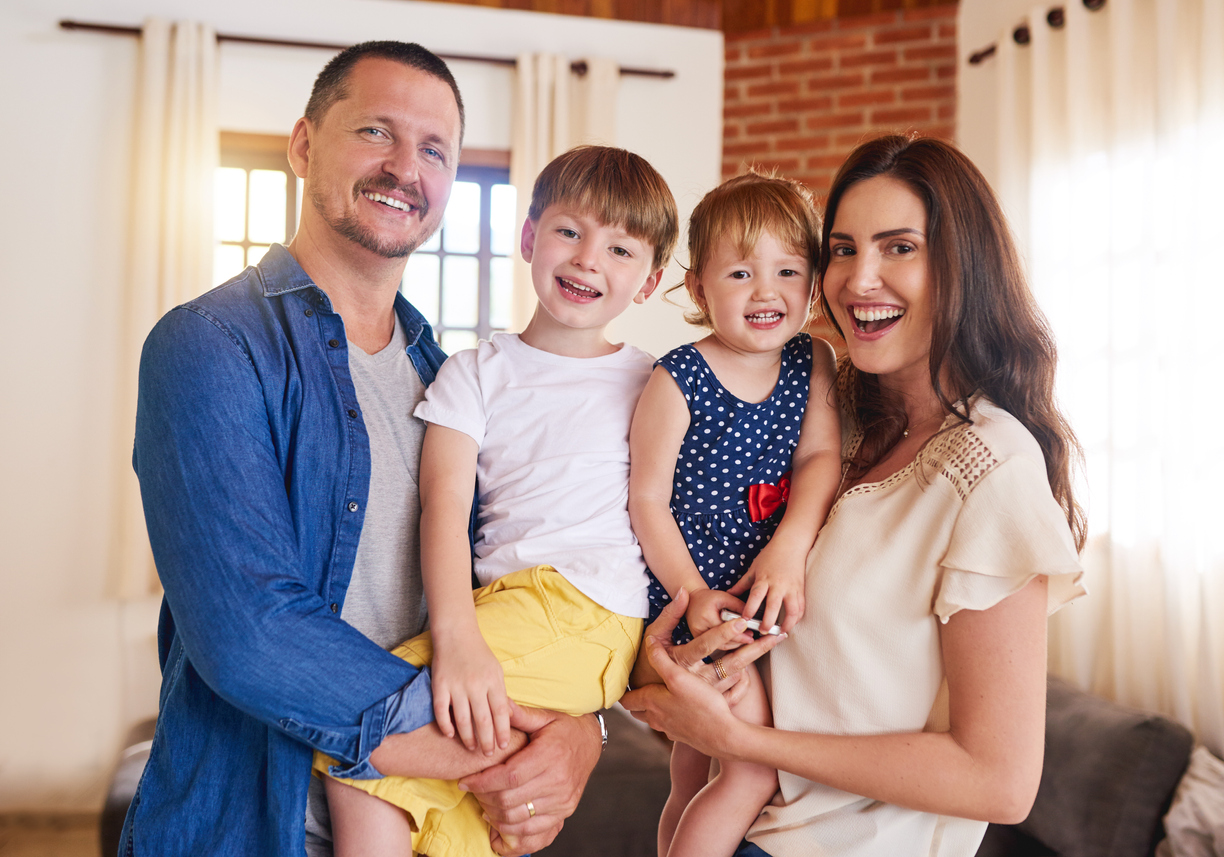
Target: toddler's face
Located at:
point(755, 302)
point(585, 272)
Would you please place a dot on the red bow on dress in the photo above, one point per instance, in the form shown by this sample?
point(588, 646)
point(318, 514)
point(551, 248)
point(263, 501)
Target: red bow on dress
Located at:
point(765, 499)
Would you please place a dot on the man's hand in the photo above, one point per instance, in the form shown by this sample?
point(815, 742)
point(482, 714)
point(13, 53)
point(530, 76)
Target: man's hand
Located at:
point(549, 774)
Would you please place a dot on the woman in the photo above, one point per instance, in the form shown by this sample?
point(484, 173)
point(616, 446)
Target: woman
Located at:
point(909, 701)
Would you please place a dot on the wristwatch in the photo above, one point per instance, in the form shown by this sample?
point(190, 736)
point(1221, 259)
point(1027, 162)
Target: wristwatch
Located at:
point(603, 732)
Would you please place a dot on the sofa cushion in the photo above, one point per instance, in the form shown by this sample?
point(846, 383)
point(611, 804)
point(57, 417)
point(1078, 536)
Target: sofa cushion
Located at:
point(1109, 776)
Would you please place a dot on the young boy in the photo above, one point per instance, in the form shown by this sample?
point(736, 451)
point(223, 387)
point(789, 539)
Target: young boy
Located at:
point(539, 421)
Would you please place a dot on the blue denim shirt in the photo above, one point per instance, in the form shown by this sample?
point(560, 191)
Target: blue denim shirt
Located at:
point(254, 468)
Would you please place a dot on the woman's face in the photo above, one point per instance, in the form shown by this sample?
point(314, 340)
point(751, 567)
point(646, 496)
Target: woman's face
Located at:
point(878, 281)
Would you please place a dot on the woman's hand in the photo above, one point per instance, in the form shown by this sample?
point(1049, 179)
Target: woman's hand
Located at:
point(692, 687)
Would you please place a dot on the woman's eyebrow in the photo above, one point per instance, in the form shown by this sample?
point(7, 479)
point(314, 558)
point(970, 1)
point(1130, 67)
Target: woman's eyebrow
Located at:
point(892, 233)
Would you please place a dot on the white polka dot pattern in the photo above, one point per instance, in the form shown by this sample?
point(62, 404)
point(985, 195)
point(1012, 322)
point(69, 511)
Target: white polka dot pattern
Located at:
point(731, 444)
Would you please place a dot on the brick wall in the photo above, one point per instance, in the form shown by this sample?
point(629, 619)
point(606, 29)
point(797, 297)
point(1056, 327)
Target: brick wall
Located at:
point(799, 98)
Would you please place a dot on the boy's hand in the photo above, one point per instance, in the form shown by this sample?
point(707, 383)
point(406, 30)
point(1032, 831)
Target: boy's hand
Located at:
point(468, 681)
point(704, 608)
point(775, 579)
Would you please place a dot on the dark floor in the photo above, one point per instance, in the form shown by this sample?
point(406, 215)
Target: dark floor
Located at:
point(49, 836)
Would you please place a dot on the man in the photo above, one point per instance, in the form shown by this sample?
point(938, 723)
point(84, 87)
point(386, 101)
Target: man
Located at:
point(277, 460)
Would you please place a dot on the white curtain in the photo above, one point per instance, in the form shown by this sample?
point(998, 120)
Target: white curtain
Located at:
point(554, 110)
point(170, 238)
point(1112, 166)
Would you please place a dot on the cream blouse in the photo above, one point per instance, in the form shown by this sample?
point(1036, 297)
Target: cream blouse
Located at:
point(972, 525)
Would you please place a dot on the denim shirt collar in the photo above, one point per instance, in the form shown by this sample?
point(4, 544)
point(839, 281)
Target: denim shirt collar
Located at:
point(280, 274)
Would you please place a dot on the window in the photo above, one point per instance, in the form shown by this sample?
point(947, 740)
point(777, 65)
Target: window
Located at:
point(461, 280)
point(255, 201)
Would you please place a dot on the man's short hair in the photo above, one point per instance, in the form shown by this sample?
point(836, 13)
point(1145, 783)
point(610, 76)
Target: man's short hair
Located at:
point(330, 85)
point(616, 187)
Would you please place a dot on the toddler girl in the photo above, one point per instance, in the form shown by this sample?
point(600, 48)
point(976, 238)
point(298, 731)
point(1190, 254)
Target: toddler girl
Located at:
point(735, 458)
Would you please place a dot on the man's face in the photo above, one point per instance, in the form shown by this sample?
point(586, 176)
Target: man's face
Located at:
point(380, 164)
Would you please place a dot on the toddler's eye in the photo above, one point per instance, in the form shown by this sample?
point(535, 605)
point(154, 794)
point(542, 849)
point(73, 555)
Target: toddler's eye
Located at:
point(739, 275)
point(789, 272)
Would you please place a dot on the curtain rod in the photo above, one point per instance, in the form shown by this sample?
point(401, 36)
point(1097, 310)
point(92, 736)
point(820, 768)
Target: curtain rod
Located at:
point(1056, 18)
point(578, 67)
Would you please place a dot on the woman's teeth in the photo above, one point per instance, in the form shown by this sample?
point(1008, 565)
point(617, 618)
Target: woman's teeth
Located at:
point(864, 318)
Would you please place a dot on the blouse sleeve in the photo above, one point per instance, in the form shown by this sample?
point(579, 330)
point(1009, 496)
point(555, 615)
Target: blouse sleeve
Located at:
point(1009, 530)
point(454, 400)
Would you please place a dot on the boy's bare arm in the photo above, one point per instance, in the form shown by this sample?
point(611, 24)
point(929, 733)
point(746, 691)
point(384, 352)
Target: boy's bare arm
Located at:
point(467, 679)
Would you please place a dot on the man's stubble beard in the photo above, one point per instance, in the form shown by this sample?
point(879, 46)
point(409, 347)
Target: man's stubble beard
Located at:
point(351, 228)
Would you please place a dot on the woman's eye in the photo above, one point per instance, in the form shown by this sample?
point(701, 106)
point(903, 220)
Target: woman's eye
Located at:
point(843, 250)
point(904, 248)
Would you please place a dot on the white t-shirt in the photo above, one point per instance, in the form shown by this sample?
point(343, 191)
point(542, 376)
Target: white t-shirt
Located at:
point(552, 474)
point(893, 560)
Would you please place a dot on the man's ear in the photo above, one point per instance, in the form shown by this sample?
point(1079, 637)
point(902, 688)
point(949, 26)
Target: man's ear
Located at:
point(527, 243)
point(652, 283)
point(299, 147)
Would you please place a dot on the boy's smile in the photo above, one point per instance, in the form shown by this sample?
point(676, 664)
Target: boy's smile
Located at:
point(585, 274)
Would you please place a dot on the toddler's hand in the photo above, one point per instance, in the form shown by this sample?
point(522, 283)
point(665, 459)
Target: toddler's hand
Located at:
point(775, 579)
point(704, 608)
point(468, 681)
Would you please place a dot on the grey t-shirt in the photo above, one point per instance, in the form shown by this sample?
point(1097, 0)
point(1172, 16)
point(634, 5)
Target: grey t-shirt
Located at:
point(385, 599)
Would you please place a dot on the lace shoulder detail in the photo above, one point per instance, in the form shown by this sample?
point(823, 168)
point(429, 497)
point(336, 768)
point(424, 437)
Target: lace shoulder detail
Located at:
point(958, 454)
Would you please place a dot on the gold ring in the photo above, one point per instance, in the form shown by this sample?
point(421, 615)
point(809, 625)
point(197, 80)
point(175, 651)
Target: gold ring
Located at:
point(718, 669)
point(530, 809)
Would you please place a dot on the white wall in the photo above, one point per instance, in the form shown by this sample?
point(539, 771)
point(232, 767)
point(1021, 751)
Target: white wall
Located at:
point(77, 667)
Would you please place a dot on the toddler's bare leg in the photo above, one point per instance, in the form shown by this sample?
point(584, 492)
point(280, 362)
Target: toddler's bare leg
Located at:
point(718, 817)
point(365, 826)
point(690, 771)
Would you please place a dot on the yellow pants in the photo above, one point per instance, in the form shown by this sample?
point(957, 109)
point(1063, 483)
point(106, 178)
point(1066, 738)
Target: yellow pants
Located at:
point(558, 650)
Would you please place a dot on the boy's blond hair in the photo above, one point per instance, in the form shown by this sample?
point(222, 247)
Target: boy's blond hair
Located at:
point(616, 187)
point(741, 210)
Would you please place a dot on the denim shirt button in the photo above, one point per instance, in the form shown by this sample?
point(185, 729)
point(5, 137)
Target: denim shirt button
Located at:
point(309, 313)
point(335, 608)
point(352, 507)
point(334, 343)
point(352, 413)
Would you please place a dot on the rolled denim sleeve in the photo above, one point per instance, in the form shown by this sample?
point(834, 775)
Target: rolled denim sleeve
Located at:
point(403, 711)
point(238, 455)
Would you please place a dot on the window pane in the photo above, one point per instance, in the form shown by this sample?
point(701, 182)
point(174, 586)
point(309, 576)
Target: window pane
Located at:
point(457, 340)
point(421, 284)
point(505, 231)
point(460, 291)
point(229, 185)
point(501, 288)
point(461, 230)
point(433, 245)
point(256, 252)
point(268, 188)
point(227, 262)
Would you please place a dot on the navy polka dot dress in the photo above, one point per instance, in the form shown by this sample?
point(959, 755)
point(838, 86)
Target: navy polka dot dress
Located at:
point(731, 444)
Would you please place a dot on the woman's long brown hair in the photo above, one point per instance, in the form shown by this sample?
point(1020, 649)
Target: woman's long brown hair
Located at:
point(988, 335)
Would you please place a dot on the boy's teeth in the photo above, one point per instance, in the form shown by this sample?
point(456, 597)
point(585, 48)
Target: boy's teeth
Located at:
point(577, 287)
point(387, 200)
point(861, 314)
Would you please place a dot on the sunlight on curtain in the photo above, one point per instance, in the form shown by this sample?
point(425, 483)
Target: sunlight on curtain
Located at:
point(1112, 154)
point(554, 110)
point(170, 238)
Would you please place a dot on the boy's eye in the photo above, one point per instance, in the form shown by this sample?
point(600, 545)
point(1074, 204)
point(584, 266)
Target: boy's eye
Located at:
point(621, 251)
point(567, 233)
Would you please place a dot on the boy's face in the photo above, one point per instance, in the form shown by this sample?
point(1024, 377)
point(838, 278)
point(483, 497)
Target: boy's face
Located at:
point(586, 272)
